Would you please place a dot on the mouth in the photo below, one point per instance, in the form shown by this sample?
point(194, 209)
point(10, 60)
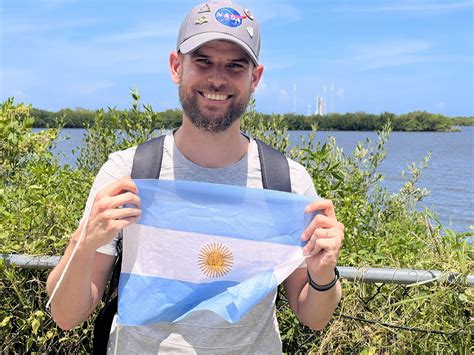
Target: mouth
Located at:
point(213, 96)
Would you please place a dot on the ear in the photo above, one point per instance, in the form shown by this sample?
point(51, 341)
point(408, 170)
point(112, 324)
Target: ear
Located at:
point(257, 73)
point(175, 67)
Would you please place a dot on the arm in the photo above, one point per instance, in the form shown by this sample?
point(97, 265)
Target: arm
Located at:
point(324, 236)
point(85, 280)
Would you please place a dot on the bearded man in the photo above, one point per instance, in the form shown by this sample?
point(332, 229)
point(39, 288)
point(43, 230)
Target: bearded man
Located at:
point(216, 68)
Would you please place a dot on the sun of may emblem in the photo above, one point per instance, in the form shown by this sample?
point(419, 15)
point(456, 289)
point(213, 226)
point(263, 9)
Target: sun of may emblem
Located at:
point(215, 260)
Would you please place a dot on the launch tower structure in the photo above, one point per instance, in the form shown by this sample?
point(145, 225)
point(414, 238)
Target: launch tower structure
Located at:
point(319, 106)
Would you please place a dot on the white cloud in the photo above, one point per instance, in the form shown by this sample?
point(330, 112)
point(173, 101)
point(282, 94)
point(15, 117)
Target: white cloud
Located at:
point(392, 53)
point(283, 93)
point(390, 48)
point(274, 96)
point(103, 58)
point(26, 26)
point(275, 62)
point(267, 11)
point(262, 86)
point(141, 31)
point(386, 54)
point(409, 6)
point(50, 4)
point(89, 87)
point(17, 82)
point(340, 92)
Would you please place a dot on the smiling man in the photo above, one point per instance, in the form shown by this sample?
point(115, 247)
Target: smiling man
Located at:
point(216, 68)
point(223, 97)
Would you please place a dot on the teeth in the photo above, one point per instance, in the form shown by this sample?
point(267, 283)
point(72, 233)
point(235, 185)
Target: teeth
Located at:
point(215, 96)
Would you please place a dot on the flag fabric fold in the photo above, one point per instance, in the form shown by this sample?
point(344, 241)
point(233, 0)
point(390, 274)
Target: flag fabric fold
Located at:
point(201, 246)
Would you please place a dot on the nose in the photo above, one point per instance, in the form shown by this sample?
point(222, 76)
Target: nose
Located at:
point(217, 77)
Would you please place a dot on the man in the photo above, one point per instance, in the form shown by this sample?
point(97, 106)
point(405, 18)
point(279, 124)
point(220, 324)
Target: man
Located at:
point(216, 69)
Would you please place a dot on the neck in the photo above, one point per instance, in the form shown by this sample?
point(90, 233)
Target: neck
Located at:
point(211, 150)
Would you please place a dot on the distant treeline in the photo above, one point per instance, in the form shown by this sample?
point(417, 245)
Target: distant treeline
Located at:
point(358, 121)
point(82, 118)
point(363, 121)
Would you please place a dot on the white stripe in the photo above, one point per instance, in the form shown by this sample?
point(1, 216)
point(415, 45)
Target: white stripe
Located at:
point(170, 254)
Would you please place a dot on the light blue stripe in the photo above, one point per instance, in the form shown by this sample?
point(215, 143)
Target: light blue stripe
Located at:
point(146, 300)
point(224, 210)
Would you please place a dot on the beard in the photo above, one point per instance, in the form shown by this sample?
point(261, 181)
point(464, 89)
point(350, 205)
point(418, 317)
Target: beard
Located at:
point(214, 120)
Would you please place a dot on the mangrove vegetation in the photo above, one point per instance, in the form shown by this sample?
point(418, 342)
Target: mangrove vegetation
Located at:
point(358, 121)
point(41, 203)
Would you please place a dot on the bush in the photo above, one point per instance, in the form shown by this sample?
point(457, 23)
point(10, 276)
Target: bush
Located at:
point(42, 202)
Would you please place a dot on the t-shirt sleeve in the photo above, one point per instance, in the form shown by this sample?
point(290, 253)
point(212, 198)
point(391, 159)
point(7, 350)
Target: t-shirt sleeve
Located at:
point(118, 165)
point(301, 184)
point(301, 181)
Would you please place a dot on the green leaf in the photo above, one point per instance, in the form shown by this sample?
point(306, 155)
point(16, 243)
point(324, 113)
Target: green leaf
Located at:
point(35, 325)
point(5, 321)
point(371, 350)
point(29, 343)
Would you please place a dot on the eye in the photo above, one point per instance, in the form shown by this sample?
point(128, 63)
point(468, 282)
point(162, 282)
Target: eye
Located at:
point(235, 66)
point(203, 61)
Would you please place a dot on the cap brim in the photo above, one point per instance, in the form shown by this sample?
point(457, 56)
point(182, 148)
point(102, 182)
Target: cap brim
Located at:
point(198, 40)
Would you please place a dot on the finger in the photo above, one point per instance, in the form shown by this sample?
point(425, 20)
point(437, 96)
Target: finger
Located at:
point(331, 245)
point(319, 233)
point(319, 221)
point(121, 213)
point(111, 202)
point(309, 247)
point(124, 199)
point(323, 233)
point(328, 233)
point(122, 223)
point(131, 219)
point(324, 205)
point(117, 187)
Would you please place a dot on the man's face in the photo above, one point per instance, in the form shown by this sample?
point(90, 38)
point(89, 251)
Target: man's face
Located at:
point(215, 85)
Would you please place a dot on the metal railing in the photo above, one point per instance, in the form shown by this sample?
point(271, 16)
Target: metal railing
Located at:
point(364, 274)
point(381, 281)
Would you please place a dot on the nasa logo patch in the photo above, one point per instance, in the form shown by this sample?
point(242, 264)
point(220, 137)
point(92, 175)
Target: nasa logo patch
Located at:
point(229, 16)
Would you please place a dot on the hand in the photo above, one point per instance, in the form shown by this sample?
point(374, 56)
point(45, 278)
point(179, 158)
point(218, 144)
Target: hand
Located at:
point(108, 216)
point(324, 235)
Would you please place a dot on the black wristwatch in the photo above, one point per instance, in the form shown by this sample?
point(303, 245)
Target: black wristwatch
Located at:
point(324, 287)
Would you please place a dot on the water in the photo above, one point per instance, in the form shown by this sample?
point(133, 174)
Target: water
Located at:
point(449, 176)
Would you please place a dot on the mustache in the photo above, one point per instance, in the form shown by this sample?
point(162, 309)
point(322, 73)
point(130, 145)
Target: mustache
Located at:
point(221, 89)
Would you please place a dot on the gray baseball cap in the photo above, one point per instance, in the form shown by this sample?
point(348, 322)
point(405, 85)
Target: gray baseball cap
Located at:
point(220, 20)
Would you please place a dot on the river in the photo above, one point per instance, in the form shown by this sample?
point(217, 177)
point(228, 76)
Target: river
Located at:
point(449, 176)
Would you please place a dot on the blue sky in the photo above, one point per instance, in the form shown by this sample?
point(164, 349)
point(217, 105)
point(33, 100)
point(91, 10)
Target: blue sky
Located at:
point(373, 56)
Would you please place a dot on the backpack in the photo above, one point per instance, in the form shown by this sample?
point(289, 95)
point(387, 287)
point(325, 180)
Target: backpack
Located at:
point(147, 165)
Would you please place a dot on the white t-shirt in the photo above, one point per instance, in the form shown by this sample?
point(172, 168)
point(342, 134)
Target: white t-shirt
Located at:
point(201, 332)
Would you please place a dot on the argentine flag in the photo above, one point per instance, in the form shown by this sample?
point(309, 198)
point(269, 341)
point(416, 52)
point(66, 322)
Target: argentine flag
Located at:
point(201, 246)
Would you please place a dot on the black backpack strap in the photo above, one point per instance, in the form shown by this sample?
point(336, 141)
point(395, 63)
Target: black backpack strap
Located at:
point(275, 168)
point(102, 325)
point(147, 160)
